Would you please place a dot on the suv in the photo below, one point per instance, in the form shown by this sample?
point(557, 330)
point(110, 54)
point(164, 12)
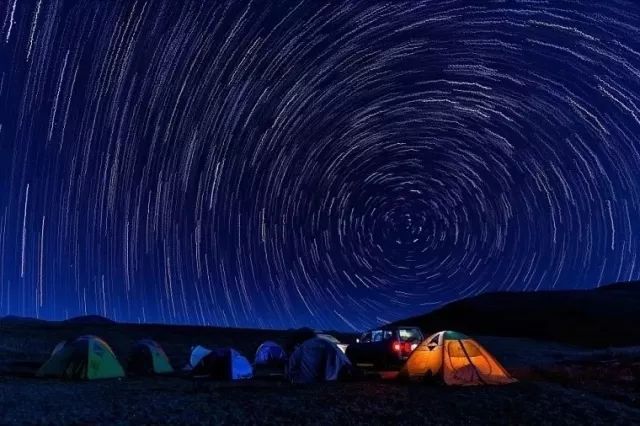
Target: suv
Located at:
point(387, 347)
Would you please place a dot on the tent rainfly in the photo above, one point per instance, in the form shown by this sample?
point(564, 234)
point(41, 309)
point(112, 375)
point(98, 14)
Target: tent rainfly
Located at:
point(270, 353)
point(147, 358)
point(220, 364)
point(317, 360)
point(87, 357)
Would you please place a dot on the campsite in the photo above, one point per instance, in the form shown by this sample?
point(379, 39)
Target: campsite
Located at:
point(557, 382)
point(319, 212)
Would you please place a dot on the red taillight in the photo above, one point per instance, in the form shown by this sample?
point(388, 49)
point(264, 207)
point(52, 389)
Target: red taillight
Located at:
point(397, 346)
point(407, 347)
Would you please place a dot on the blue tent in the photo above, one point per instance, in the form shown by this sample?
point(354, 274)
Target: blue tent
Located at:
point(270, 353)
point(221, 364)
point(317, 360)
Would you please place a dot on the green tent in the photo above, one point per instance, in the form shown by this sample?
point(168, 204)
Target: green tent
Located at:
point(148, 358)
point(87, 358)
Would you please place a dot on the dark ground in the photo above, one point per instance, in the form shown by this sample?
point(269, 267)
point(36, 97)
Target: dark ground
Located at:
point(560, 384)
point(176, 401)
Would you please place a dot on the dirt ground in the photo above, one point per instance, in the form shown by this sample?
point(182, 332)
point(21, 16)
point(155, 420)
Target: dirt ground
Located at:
point(180, 401)
point(559, 384)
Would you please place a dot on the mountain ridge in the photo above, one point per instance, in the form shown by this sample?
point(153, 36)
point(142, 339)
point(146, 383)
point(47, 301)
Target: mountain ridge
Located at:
point(604, 316)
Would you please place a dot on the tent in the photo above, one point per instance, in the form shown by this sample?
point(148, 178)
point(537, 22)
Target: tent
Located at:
point(148, 358)
point(220, 364)
point(197, 353)
point(87, 357)
point(455, 359)
point(317, 360)
point(270, 353)
point(333, 339)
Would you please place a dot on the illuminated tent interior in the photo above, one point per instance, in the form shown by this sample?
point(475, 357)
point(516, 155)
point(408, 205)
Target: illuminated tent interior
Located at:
point(455, 359)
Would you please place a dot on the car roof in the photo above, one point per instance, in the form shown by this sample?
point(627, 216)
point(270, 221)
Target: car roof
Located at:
point(393, 327)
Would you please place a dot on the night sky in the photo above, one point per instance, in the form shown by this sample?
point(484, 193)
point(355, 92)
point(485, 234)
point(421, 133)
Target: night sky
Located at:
point(330, 164)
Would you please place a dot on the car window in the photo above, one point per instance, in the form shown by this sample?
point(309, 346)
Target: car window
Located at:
point(377, 336)
point(388, 334)
point(409, 334)
point(366, 338)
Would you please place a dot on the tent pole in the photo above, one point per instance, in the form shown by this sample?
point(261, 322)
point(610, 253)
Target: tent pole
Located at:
point(471, 362)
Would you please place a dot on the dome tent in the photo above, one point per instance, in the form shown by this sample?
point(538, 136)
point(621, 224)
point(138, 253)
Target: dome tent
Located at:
point(87, 357)
point(197, 353)
point(317, 360)
point(342, 346)
point(455, 359)
point(220, 364)
point(148, 358)
point(270, 353)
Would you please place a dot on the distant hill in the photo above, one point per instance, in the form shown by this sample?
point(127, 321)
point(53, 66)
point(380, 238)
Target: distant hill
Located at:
point(16, 320)
point(11, 320)
point(625, 285)
point(89, 319)
point(605, 316)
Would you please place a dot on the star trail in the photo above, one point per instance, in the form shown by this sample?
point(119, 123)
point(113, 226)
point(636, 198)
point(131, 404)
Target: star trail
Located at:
point(331, 164)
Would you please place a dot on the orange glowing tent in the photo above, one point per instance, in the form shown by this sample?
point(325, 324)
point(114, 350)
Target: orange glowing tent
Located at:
point(455, 359)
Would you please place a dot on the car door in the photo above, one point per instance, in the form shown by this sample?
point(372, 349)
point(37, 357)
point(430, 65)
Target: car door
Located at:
point(365, 348)
point(362, 354)
point(378, 347)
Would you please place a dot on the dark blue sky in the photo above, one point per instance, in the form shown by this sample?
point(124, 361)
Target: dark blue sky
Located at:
point(332, 164)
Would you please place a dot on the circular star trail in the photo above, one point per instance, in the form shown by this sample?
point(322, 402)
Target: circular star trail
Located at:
point(332, 164)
